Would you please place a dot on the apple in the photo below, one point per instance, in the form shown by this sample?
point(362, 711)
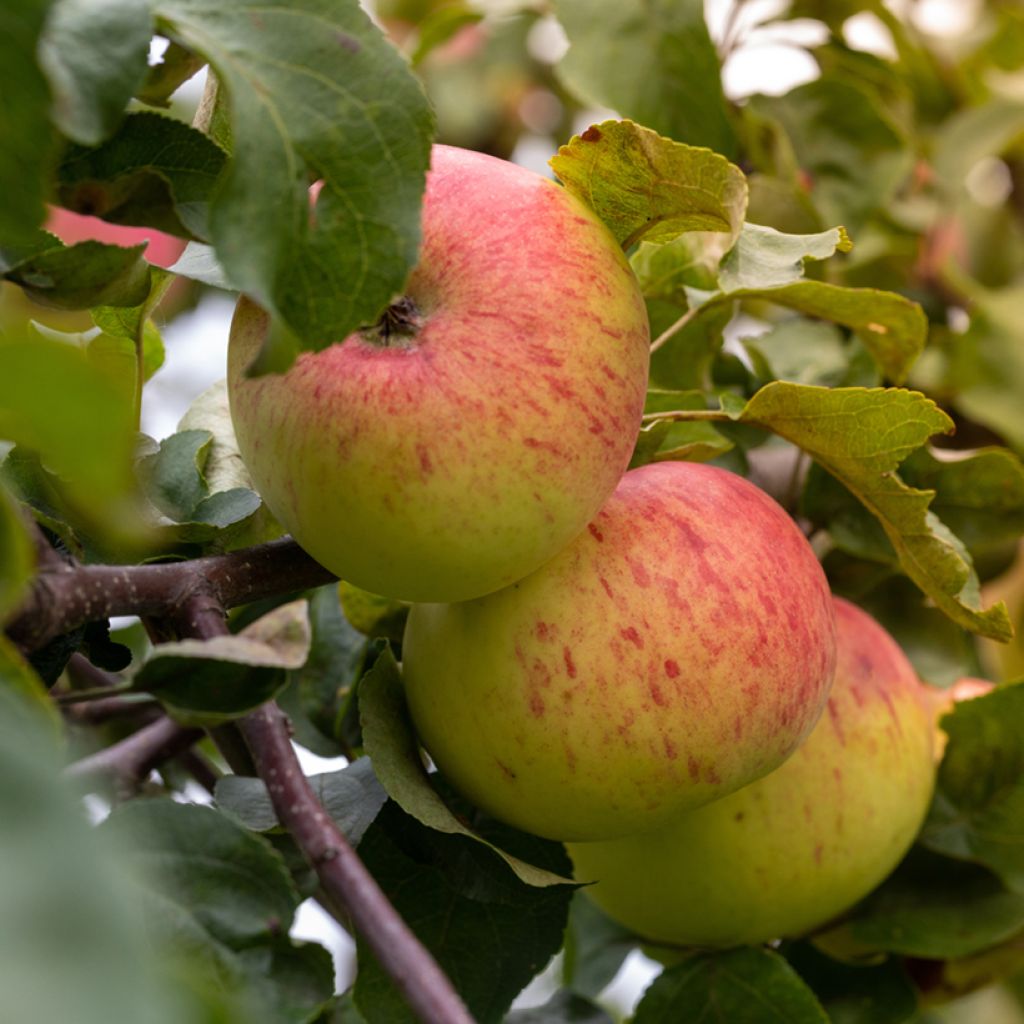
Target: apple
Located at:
point(789, 853)
point(679, 648)
point(459, 444)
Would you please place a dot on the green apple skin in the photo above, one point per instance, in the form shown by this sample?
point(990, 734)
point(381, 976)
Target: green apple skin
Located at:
point(448, 464)
point(681, 647)
point(791, 852)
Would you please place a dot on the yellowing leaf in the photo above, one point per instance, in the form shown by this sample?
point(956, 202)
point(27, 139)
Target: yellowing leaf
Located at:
point(644, 186)
point(861, 435)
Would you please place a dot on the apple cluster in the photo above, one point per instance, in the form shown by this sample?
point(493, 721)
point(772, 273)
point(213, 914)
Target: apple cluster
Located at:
point(648, 664)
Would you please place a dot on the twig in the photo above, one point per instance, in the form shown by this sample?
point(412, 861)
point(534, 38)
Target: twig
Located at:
point(344, 877)
point(65, 596)
point(673, 329)
point(95, 712)
point(414, 971)
point(131, 760)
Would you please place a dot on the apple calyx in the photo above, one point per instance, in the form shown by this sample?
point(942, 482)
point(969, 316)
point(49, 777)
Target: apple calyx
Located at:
point(398, 325)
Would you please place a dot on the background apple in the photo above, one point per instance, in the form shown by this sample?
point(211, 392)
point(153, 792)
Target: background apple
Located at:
point(680, 648)
point(790, 852)
point(467, 439)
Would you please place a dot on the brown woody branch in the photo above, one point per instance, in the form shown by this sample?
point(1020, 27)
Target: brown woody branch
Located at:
point(342, 874)
point(66, 595)
point(129, 762)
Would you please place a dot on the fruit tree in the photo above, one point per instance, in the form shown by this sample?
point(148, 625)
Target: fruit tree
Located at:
point(585, 582)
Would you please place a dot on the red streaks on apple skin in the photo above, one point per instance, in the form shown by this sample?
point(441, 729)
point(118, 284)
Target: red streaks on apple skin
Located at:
point(671, 668)
point(570, 665)
point(833, 714)
point(693, 767)
point(671, 751)
point(658, 695)
point(536, 704)
point(544, 630)
point(630, 634)
point(606, 586)
point(596, 533)
point(641, 577)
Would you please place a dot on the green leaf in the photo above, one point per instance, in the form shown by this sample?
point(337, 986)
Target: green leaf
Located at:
point(800, 351)
point(936, 908)
point(153, 172)
point(175, 481)
point(199, 263)
point(644, 186)
point(17, 556)
point(71, 943)
point(744, 986)
point(300, 977)
point(652, 61)
point(979, 495)
point(18, 680)
point(221, 898)
point(765, 258)
point(985, 366)
point(391, 744)
point(94, 53)
point(173, 477)
point(860, 435)
point(57, 402)
point(488, 931)
point(595, 948)
point(226, 880)
point(352, 797)
point(314, 91)
point(207, 682)
point(978, 813)
point(855, 993)
point(24, 116)
point(563, 1007)
point(372, 614)
point(854, 154)
point(224, 471)
point(79, 276)
point(318, 692)
point(974, 133)
point(892, 328)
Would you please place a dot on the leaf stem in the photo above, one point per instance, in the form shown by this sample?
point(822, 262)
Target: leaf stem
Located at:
point(681, 415)
point(673, 329)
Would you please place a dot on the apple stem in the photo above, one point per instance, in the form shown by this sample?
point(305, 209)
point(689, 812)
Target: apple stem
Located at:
point(397, 326)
